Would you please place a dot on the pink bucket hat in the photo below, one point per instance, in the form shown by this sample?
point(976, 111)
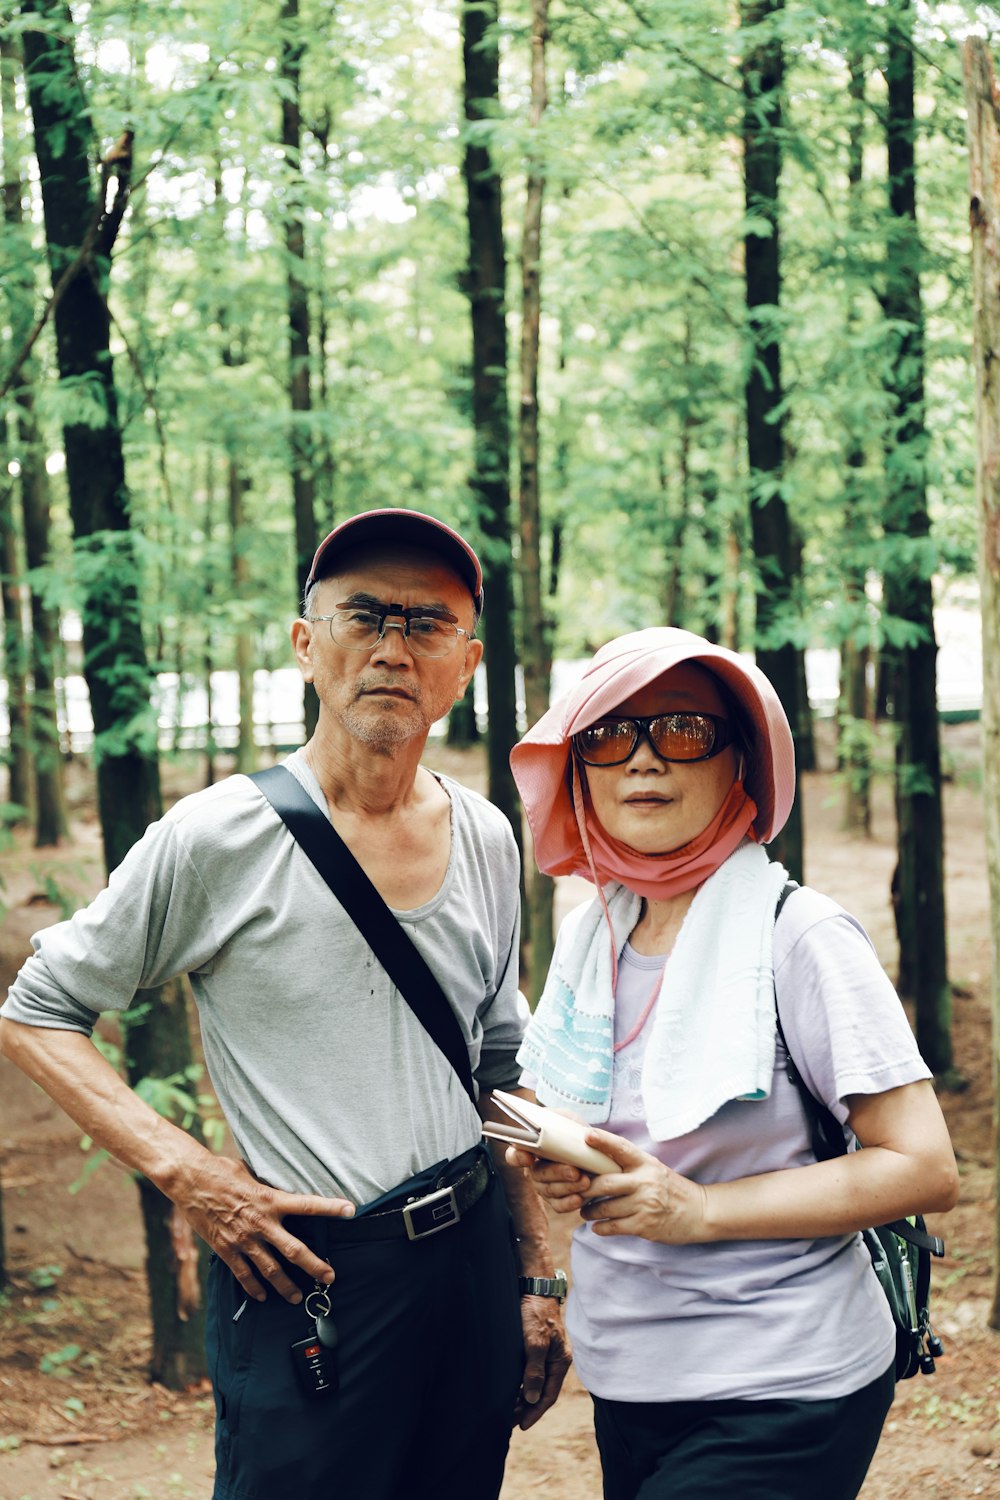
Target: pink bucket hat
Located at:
point(541, 761)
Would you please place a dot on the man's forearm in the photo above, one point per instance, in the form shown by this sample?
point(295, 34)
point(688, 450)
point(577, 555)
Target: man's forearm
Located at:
point(69, 1068)
point(526, 1207)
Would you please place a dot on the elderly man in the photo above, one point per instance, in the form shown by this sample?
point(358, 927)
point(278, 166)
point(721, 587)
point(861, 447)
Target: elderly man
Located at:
point(365, 1337)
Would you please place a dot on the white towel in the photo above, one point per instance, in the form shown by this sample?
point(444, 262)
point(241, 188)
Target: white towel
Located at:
point(713, 1029)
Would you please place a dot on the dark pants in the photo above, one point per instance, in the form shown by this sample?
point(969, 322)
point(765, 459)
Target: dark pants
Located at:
point(755, 1450)
point(429, 1363)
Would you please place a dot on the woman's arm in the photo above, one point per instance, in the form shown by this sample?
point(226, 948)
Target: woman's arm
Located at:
point(907, 1166)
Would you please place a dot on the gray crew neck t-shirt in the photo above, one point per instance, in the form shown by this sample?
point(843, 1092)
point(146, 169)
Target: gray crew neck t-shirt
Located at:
point(329, 1083)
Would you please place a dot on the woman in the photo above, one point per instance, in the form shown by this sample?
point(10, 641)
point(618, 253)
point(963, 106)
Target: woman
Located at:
point(724, 1313)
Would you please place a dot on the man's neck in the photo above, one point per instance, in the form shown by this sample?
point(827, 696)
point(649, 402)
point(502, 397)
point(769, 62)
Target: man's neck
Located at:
point(358, 778)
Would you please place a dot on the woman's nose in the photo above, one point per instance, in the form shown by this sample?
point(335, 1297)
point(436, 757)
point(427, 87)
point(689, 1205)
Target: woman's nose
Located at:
point(644, 757)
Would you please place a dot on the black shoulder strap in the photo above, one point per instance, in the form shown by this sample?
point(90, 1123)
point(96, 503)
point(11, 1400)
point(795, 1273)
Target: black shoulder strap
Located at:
point(391, 944)
point(827, 1134)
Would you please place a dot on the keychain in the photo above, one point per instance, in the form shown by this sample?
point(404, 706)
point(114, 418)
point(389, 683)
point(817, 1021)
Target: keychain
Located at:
point(320, 1308)
point(315, 1363)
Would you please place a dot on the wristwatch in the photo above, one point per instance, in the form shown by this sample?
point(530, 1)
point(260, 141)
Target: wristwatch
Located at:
point(544, 1286)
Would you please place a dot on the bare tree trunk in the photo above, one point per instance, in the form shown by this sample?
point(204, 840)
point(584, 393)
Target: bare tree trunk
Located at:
point(238, 486)
point(50, 800)
point(983, 129)
point(908, 593)
point(237, 489)
point(763, 67)
point(20, 783)
point(80, 229)
point(536, 629)
point(854, 749)
point(293, 47)
point(486, 284)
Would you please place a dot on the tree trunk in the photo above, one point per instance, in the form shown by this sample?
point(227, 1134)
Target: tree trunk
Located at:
point(238, 486)
point(908, 592)
point(774, 551)
point(50, 801)
point(237, 489)
point(486, 284)
point(80, 226)
point(293, 47)
point(20, 784)
point(536, 629)
point(854, 745)
point(463, 730)
point(984, 212)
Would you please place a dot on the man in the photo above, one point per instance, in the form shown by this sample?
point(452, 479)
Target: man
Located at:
point(412, 1361)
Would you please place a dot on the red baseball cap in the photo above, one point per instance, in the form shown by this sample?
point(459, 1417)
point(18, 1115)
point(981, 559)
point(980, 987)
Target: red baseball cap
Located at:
point(409, 527)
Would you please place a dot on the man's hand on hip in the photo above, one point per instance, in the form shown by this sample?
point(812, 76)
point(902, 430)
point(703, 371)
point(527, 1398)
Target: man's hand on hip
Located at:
point(241, 1219)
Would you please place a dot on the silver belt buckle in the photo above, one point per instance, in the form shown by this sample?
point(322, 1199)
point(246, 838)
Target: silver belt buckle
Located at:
point(435, 1212)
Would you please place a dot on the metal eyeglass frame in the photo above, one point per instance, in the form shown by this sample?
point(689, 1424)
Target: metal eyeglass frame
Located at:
point(383, 612)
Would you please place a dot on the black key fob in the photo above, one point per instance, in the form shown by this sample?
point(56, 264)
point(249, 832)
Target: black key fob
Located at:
point(315, 1366)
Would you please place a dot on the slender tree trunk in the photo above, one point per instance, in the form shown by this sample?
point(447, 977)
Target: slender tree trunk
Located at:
point(536, 630)
point(486, 282)
point(50, 802)
point(238, 486)
point(908, 593)
point(854, 748)
point(20, 783)
point(983, 128)
point(118, 680)
point(326, 460)
point(293, 46)
point(675, 527)
point(773, 543)
point(237, 490)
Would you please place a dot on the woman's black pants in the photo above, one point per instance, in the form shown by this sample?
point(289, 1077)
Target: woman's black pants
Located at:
point(741, 1450)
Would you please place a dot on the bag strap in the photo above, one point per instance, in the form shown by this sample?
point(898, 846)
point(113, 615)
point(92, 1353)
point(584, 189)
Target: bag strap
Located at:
point(828, 1139)
point(388, 940)
point(827, 1134)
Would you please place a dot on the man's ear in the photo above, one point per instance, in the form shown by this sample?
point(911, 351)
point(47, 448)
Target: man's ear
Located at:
point(473, 656)
point(301, 635)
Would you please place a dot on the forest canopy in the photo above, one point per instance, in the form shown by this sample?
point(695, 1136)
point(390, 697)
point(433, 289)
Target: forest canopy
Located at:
point(643, 470)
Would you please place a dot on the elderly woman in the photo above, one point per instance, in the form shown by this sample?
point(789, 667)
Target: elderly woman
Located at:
point(724, 1312)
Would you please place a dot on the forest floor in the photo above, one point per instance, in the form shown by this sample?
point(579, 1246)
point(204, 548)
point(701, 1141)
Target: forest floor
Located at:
point(78, 1418)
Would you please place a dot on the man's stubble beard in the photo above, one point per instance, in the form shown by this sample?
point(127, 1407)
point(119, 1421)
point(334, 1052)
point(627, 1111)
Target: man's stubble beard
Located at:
point(383, 731)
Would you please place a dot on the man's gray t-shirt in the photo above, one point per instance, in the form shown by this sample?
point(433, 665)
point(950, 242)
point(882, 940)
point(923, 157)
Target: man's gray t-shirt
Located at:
point(328, 1081)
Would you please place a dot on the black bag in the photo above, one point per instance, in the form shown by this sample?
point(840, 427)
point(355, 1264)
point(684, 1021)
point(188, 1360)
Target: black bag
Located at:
point(900, 1252)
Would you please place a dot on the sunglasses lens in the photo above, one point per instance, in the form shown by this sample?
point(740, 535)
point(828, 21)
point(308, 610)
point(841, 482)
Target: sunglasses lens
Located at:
point(607, 743)
point(683, 736)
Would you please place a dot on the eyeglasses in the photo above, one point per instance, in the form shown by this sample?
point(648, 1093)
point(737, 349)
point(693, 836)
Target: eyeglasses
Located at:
point(677, 737)
point(361, 627)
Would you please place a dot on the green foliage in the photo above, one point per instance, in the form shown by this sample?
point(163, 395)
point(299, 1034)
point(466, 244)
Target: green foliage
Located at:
point(644, 338)
point(42, 1278)
point(56, 1361)
point(59, 896)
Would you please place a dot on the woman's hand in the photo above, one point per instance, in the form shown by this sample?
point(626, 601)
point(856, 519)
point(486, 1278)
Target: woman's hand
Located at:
point(561, 1185)
point(645, 1199)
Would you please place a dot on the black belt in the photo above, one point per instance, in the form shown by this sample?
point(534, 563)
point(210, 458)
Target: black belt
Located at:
point(418, 1218)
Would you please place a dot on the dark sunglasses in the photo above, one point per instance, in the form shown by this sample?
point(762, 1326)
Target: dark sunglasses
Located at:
point(680, 737)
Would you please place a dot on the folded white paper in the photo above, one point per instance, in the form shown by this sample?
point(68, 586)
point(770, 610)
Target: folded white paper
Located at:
point(545, 1132)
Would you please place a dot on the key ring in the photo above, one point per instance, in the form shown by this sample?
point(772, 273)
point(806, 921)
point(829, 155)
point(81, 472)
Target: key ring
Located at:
point(317, 1303)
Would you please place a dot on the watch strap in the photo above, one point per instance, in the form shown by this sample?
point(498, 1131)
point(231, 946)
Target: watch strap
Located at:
point(543, 1286)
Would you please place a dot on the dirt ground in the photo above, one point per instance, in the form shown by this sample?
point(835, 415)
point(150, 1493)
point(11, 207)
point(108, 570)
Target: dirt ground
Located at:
point(78, 1419)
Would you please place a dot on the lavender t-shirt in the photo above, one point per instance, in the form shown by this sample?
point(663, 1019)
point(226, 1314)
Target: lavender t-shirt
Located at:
point(749, 1319)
